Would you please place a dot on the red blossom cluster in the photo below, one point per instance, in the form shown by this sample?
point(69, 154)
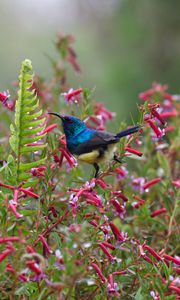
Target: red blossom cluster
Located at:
point(6, 102)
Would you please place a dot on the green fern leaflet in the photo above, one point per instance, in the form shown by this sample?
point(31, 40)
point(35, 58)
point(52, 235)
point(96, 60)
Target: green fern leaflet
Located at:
point(27, 132)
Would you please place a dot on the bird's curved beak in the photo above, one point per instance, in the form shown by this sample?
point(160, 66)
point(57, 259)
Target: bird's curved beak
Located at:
point(57, 115)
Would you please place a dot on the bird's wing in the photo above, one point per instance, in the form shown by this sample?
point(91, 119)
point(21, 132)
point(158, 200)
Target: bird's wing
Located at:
point(100, 140)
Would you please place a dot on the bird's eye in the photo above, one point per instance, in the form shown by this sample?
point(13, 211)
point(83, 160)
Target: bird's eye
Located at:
point(68, 119)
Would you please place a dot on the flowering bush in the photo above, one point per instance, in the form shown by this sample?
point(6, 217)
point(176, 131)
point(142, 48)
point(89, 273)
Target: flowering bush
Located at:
point(67, 235)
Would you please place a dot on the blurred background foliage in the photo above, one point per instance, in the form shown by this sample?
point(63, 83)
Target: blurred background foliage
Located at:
point(122, 45)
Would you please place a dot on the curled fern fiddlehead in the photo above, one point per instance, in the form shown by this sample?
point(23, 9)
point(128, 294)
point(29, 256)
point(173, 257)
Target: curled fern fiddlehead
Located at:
point(27, 131)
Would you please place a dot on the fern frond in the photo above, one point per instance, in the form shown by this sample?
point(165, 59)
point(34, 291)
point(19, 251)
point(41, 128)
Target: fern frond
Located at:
point(28, 128)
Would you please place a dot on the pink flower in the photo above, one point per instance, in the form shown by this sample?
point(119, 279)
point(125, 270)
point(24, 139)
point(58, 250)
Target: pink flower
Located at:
point(112, 286)
point(4, 96)
point(120, 209)
point(158, 132)
point(156, 89)
point(138, 183)
point(169, 114)
point(122, 172)
point(176, 183)
point(103, 112)
point(72, 95)
point(38, 172)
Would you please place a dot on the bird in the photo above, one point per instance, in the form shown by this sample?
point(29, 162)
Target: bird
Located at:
point(90, 145)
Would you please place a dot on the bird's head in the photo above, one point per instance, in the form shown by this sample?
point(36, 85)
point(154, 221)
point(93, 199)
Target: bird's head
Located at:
point(71, 125)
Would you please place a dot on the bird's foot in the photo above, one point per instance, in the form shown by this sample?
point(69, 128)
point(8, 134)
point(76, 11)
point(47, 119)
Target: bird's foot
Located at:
point(117, 159)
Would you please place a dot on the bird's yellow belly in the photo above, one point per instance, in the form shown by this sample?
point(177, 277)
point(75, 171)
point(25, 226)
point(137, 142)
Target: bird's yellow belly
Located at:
point(95, 157)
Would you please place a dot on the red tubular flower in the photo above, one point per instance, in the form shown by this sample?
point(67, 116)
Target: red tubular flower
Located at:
point(144, 256)
point(145, 95)
point(30, 249)
point(169, 129)
point(9, 239)
point(119, 194)
point(151, 182)
point(45, 244)
point(62, 140)
point(33, 266)
point(175, 289)
point(153, 252)
point(120, 272)
point(156, 130)
point(49, 128)
point(158, 212)
point(38, 172)
point(102, 111)
point(173, 259)
point(122, 172)
point(13, 208)
point(133, 151)
point(15, 199)
point(101, 183)
point(7, 186)
point(22, 277)
point(139, 203)
point(177, 270)
point(158, 116)
point(94, 223)
point(119, 208)
point(73, 61)
point(29, 193)
point(9, 250)
point(9, 268)
point(71, 95)
point(112, 286)
point(176, 183)
point(116, 232)
point(4, 96)
point(94, 198)
point(169, 114)
point(108, 245)
point(99, 272)
point(70, 159)
point(106, 252)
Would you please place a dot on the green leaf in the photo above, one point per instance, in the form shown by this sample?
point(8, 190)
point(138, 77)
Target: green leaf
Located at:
point(27, 128)
point(138, 295)
point(163, 161)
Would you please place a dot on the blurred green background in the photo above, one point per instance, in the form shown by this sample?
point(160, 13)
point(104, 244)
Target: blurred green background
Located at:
point(122, 45)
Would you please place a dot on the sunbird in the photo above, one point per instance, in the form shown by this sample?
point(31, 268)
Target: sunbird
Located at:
point(90, 145)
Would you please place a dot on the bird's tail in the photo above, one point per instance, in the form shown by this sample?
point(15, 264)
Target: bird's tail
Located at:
point(128, 131)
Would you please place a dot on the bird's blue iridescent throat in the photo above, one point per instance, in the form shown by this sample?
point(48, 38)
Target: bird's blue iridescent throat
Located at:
point(73, 141)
